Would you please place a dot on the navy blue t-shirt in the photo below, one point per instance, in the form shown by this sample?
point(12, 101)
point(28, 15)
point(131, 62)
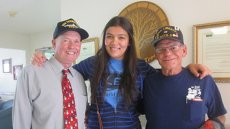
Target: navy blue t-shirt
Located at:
point(180, 101)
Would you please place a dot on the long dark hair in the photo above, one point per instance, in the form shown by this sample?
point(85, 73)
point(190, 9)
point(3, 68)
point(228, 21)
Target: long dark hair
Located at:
point(127, 86)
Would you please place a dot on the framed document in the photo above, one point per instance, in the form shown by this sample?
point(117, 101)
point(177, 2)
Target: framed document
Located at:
point(17, 71)
point(212, 48)
point(89, 48)
point(47, 51)
point(7, 65)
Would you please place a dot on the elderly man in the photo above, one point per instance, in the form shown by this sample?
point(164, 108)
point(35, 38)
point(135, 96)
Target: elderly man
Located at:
point(53, 96)
point(173, 97)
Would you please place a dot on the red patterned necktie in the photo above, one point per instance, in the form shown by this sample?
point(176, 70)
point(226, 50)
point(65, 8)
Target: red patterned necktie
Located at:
point(69, 109)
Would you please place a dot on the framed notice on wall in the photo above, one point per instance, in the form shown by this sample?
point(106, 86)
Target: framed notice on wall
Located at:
point(212, 48)
point(47, 51)
point(89, 48)
point(17, 71)
point(7, 65)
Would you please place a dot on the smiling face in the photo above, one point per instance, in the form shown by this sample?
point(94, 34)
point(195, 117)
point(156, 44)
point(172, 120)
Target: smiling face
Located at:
point(169, 54)
point(67, 47)
point(116, 42)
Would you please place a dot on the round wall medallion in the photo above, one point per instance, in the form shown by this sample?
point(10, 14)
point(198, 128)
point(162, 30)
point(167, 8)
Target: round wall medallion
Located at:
point(146, 18)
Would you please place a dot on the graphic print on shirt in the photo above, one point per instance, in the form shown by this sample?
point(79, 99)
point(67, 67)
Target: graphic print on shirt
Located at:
point(112, 96)
point(194, 93)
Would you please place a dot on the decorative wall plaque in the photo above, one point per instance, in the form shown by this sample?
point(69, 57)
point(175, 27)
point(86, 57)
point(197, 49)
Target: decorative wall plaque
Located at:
point(146, 18)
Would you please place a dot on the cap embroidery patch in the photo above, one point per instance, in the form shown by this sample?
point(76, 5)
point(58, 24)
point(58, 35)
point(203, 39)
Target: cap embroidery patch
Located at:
point(70, 24)
point(168, 32)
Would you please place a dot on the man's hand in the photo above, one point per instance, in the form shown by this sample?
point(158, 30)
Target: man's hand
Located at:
point(38, 58)
point(199, 70)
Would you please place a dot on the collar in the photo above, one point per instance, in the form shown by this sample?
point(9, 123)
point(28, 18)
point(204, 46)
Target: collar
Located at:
point(57, 66)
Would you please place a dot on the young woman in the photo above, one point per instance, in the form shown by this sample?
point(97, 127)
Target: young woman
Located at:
point(116, 78)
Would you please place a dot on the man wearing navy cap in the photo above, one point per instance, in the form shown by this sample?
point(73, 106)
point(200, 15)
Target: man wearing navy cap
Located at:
point(39, 100)
point(173, 97)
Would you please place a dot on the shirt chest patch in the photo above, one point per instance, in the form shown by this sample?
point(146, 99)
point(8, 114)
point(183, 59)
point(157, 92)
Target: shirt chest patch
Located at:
point(194, 93)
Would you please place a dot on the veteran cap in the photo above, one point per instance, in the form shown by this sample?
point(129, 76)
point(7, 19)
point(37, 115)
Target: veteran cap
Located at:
point(69, 25)
point(168, 32)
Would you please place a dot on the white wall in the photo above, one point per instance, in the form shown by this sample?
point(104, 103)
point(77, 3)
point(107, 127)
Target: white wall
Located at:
point(26, 42)
point(12, 46)
point(224, 89)
point(7, 82)
point(15, 41)
point(39, 40)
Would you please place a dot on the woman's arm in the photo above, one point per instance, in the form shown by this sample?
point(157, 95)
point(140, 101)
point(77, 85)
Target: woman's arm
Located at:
point(199, 70)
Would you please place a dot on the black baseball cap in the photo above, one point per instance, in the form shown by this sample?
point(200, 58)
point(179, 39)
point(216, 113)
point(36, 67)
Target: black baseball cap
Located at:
point(168, 32)
point(69, 25)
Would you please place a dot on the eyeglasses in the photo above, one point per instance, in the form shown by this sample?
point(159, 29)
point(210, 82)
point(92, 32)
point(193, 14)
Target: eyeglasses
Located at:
point(173, 48)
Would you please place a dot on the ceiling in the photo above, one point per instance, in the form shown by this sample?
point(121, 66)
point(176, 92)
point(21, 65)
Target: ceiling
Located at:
point(28, 16)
